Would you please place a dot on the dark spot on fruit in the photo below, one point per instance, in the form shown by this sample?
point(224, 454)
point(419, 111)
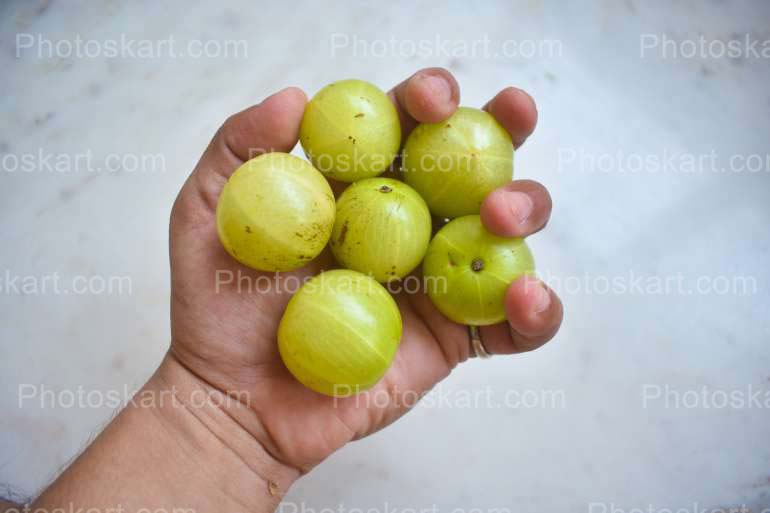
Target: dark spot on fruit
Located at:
point(448, 125)
point(477, 264)
point(385, 189)
point(393, 267)
point(248, 229)
point(343, 233)
point(451, 260)
point(352, 139)
point(359, 115)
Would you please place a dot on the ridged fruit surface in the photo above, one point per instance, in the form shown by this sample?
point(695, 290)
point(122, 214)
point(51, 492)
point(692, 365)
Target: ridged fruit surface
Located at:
point(382, 228)
point(275, 213)
point(350, 130)
point(339, 333)
point(467, 271)
point(456, 163)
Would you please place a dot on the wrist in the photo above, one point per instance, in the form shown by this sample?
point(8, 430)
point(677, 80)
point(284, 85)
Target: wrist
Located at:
point(179, 443)
point(218, 431)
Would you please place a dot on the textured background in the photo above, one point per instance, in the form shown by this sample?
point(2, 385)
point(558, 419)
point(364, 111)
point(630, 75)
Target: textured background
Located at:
point(686, 249)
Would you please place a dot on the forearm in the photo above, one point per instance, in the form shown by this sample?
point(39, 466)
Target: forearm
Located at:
point(173, 446)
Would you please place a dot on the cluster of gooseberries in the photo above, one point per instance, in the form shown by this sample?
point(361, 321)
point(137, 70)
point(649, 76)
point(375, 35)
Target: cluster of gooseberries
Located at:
point(277, 212)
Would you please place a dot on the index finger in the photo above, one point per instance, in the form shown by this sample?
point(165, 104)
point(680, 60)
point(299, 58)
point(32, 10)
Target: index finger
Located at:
point(429, 96)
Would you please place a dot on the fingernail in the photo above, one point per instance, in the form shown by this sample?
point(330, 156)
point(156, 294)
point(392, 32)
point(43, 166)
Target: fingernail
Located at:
point(543, 300)
point(521, 205)
point(439, 88)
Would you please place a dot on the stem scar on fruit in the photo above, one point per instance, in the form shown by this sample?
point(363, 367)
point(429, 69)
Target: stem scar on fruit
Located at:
point(382, 228)
point(476, 297)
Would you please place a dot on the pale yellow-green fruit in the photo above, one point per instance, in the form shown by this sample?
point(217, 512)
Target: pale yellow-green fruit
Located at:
point(339, 333)
point(350, 130)
point(382, 228)
point(467, 271)
point(456, 163)
point(275, 213)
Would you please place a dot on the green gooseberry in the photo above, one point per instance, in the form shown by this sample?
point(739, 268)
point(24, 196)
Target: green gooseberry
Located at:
point(456, 163)
point(350, 130)
point(467, 271)
point(339, 333)
point(275, 213)
point(382, 228)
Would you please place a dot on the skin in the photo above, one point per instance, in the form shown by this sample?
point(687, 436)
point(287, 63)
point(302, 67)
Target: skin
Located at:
point(242, 455)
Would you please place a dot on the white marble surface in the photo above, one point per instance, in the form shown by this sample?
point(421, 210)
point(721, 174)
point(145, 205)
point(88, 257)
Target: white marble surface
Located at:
point(598, 444)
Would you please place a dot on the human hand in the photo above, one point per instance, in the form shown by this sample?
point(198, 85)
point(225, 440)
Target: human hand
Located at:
point(224, 335)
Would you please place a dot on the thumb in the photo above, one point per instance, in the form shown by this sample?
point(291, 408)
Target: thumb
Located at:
point(272, 125)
